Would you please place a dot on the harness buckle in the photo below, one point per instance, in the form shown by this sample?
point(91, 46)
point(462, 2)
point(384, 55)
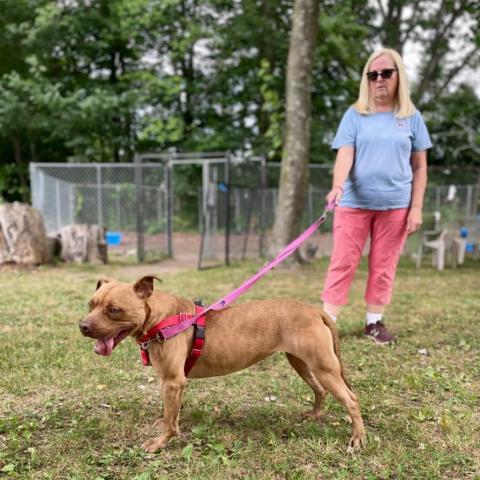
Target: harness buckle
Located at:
point(145, 345)
point(200, 332)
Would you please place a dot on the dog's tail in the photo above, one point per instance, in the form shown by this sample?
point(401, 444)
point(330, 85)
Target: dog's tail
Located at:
point(330, 324)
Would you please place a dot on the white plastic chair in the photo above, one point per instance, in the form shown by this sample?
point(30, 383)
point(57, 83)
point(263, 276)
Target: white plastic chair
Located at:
point(434, 239)
point(438, 243)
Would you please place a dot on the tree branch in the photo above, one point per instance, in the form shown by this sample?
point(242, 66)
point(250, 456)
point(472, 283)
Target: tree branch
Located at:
point(435, 50)
point(382, 10)
point(469, 57)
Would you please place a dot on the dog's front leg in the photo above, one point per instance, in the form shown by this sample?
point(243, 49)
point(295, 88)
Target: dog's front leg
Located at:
point(172, 400)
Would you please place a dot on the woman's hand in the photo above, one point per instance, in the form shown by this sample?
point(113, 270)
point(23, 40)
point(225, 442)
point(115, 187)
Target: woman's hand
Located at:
point(414, 220)
point(334, 195)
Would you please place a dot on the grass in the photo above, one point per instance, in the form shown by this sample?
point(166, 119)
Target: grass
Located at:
point(66, 413)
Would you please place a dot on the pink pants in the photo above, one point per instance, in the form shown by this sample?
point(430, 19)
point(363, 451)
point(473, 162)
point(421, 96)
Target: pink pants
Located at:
point(351, 227)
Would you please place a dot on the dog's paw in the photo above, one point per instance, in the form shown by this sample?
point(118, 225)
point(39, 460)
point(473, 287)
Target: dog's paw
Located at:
point(357, 442)
point(154, 444)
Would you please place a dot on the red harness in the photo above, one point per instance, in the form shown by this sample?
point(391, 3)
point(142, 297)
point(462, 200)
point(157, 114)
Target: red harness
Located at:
point(154, 334)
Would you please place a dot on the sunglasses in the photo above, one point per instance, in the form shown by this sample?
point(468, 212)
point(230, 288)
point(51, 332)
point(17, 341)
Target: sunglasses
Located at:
point(385, 74)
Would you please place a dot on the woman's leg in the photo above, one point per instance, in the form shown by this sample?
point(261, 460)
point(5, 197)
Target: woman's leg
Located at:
point(351, 227)
point(388, 236)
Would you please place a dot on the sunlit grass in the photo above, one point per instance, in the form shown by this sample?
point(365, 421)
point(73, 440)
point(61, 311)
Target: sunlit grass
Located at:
point(66, 413)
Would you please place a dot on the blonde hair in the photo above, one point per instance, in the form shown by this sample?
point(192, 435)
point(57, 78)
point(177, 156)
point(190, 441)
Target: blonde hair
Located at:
point(404, 106)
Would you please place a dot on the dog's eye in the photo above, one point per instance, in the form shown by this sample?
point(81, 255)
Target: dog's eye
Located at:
point(113, 310)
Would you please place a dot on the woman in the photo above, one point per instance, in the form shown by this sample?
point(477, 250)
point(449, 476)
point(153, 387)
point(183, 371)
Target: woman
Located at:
point(379, 182)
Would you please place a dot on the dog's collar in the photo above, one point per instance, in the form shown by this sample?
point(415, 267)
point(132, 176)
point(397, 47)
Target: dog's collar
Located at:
point(155, 334)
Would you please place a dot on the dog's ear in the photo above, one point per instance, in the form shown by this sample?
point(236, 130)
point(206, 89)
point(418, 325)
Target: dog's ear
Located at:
point(143, 287)
point(104, 280)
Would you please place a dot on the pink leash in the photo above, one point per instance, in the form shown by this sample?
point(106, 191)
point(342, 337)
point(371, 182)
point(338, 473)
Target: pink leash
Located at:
point(169, 332)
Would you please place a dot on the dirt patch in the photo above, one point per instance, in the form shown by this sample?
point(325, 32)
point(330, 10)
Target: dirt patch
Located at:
point(186, 248)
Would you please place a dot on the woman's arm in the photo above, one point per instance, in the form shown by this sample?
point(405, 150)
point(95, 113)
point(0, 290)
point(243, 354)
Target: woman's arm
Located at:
point(419, 184)
point(343, 165)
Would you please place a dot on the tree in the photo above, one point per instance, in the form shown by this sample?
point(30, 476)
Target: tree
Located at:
point(295, 157)
point(446, 32)
point(203, 75)
point(93, 49)
point(27, 106)
point(454, 124)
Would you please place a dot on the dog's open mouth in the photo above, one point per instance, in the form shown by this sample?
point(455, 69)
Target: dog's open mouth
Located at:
point(106, 345)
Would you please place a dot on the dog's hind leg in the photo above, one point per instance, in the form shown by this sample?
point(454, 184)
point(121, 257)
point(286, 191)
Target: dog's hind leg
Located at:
point(172, 400)
point(332, 381)
point(307, 376)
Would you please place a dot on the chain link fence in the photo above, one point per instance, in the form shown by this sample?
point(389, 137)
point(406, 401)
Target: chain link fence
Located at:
point(204, 208)
point(102, 194)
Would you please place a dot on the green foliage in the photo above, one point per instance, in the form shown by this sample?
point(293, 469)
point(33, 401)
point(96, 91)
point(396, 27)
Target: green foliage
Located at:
point(272, 106)
point(98, 80)
point(454, 122)
point(337, 70)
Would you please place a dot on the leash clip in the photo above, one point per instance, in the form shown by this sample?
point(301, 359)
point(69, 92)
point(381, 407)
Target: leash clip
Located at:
point(160, 338)
point(146, 345)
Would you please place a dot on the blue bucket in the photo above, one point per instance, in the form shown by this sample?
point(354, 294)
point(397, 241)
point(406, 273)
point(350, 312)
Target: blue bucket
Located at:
point(113, 238)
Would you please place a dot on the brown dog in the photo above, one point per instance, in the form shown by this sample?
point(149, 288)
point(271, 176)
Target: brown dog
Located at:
point(236, 338)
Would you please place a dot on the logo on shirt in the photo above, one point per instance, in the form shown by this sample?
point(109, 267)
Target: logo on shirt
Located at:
point(401, 123)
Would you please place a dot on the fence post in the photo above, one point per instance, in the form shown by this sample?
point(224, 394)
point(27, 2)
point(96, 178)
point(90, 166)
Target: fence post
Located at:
point(263, 203)
point(227, 209)
point(140, 208)
point(33, 182)
point(168, 182)
point(310, 204)
point(58, 202)
point(99, 197)
point(206, 209)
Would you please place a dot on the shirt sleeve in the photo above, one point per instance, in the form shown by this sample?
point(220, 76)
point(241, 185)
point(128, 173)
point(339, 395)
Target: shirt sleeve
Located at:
point(346, 131)
point(421, 137)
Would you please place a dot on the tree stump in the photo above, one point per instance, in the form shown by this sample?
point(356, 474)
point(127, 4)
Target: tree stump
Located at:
point(83, 243)
point(23, 239)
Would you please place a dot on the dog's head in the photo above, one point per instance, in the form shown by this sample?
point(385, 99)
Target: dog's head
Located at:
point(117, 310)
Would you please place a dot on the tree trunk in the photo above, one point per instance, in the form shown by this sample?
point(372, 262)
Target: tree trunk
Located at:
point(392, 23)
point(295, 156)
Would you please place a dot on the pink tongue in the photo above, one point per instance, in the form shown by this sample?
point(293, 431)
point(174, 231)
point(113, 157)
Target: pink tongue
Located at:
point(104, 347)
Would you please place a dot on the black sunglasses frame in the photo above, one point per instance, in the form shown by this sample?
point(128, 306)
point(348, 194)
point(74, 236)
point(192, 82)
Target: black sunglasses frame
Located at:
point(386, 73)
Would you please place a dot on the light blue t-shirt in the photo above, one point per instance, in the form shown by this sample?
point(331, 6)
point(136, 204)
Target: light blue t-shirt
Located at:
point(381, 175)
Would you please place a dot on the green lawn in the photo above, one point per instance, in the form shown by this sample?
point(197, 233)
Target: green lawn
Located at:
point(66, 413)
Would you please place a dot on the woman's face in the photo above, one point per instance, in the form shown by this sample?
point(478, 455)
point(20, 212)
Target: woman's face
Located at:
point(383, 90)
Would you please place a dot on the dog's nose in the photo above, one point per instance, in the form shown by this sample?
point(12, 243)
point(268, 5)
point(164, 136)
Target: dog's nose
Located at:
point(85, 327)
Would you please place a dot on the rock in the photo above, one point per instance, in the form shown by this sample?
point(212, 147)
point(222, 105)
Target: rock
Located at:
point(23, 239)
point(83, 243)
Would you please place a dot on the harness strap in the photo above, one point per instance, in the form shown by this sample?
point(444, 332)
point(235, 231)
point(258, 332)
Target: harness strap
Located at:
point(155, 334)
point(197, 347)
